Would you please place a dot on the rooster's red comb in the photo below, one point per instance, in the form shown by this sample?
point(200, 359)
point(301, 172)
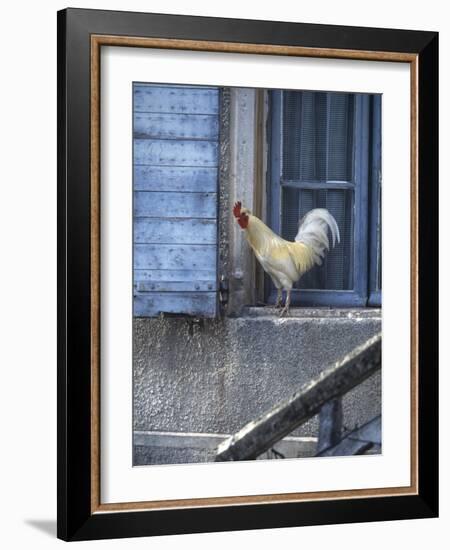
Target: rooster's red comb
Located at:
point(237, 209)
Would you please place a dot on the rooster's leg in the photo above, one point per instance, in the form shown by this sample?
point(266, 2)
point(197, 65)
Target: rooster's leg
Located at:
point(279, 302)
point(285, 310)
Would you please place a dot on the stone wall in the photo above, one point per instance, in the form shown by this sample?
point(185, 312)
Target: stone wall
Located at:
point(217, 375)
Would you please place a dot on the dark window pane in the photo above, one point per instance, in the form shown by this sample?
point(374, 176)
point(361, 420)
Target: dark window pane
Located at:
point(340, 137)
point(317, 136)
point(292, 122)
point(337, 268)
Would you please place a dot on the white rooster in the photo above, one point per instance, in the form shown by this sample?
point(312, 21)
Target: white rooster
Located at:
point(287, 261)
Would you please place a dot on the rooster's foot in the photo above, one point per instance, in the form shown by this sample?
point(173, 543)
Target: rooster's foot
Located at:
point(285, 312)
point(279, 302)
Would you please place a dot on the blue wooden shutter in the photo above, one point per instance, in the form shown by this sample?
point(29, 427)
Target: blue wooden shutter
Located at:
point(176, 140)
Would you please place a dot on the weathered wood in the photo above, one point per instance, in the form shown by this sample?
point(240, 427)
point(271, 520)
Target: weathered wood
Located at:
point(175, 156)
point(174, 275)
point(369, 432)
point(153, 303)
point(330, 424)
point(356, 442)
point(175, 205)
point(175, 286)
point(290, 447)
point(175, 178)
point(165, 126)
point(348, 447)
point(258, 436)
point(175, 152)
point(163, 230)
point(174, 256)
point(168, 99)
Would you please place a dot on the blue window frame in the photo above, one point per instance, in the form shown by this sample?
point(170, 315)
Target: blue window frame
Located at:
point(325, 151)
point(375, 205)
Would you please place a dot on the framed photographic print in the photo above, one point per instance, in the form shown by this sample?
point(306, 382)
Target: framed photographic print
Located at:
point(247, 274)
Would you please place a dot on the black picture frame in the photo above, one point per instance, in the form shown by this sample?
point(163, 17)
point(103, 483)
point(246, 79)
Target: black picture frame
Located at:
point(76, 521)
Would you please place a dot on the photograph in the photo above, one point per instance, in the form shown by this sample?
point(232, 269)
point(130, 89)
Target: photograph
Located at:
point(257, 273)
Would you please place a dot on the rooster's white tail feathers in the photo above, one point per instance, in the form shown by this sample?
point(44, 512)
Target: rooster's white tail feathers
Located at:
point(313, 232)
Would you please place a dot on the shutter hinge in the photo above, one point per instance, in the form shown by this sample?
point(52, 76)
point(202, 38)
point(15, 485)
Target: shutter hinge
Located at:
point(223, 291)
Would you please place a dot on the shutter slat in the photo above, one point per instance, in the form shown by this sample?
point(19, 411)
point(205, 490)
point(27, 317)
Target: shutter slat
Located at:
point(166, 99)
point(178, 178)
point(164, 126)
point(178, 286)
point(164, 231)
point(175, 152)
point(174, 256)
point(174, 275)
point(151, 304)
point(175, 205)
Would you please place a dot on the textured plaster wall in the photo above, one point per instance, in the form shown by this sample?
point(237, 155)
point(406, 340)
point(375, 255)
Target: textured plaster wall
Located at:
point(219, 375)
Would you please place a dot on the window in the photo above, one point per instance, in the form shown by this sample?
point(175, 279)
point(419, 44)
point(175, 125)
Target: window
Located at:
point(321, 149)
point(325, 152)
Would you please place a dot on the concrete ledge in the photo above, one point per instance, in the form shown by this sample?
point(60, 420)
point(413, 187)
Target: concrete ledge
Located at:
point(173, 447)
point(313, 313)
